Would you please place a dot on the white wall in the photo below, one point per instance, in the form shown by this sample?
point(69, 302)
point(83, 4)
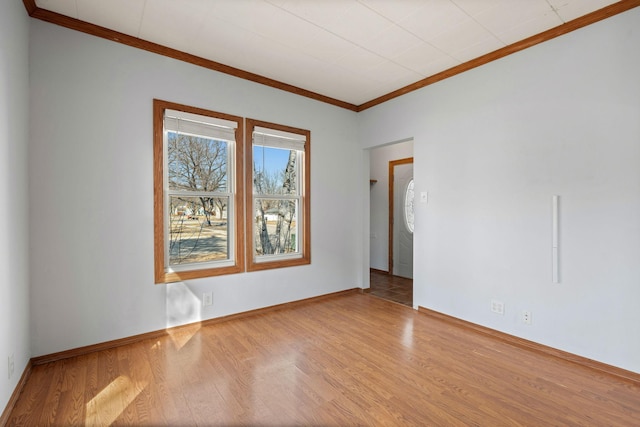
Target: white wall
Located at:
point(92, 192)
point(14, 210)
point(379, 199)
point(491, 146)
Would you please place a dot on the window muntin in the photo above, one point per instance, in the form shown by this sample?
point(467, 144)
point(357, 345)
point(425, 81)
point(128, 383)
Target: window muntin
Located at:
point(198, 199)
point(278, 206)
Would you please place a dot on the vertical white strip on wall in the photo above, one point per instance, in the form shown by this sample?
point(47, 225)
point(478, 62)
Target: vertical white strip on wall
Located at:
point(555, 265)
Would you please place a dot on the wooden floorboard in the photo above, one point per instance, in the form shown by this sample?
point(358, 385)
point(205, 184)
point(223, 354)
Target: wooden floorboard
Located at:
point(347, 360)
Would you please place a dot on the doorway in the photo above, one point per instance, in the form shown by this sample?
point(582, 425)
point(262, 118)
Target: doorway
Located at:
point(390, 174)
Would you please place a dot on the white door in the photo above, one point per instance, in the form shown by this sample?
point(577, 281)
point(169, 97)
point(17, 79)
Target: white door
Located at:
point(403, 220)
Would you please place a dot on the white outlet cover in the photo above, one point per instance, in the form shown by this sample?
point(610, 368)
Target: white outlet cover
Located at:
point(207, 299)
point(497, 306)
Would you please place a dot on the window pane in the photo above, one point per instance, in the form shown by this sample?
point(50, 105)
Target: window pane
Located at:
point(196, 163)
point(198, 229)
point(274, 170)
point(409, 206)
point(276, 226)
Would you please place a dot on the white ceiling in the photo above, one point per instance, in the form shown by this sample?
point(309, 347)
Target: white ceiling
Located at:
point(350, 50)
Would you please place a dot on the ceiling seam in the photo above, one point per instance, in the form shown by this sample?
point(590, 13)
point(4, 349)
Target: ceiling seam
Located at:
point(480, 24)
point(416, 36)
point(144, 9)
point(383, 59)
point(555, 10)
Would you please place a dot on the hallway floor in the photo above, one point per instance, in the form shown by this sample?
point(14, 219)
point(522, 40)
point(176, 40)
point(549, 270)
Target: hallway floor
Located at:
point(392, 288)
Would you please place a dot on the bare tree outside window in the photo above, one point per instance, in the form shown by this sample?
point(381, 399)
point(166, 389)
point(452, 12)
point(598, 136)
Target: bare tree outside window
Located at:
point(275, 175)
point(198, 198)
point(198, 226)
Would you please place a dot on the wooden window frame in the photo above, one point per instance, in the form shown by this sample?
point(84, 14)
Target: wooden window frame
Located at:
point(305, 217)
point(161, 271)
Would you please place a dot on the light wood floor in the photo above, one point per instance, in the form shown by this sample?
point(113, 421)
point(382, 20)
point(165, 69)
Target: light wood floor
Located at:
point(348, 360)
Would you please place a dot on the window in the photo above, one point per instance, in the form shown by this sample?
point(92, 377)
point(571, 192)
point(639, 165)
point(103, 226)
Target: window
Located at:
point(200, 199)
point(278, 204)
point(408, 206)
point(197, 194)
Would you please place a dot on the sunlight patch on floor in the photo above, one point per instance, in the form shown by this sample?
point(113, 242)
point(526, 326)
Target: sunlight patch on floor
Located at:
point(407, 334)
point(111, 402)
point(181, 336)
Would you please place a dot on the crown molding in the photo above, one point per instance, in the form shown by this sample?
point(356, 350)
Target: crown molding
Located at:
point(95, 30)
point(583, 21)
point(75, 24)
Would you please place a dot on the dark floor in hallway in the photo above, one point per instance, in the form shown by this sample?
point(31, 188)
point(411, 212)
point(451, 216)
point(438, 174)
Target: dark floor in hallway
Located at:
point(393, 288)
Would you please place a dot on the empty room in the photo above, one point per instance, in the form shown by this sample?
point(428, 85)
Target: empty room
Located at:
point(202, 199)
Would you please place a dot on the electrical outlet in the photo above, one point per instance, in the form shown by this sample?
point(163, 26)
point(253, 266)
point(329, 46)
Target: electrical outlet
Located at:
point(207, 299)
point(526, 317)
point(497, 306)
point(11, 366)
